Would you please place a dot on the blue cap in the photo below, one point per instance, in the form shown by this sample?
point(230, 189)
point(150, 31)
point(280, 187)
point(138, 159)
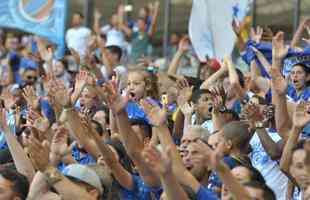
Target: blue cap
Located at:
point(27, 63)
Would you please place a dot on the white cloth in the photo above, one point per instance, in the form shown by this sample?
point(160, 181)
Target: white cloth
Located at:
point(78, 38)
point(210, 27)
point(208, 124)
point(269, 169)
point(114, 36)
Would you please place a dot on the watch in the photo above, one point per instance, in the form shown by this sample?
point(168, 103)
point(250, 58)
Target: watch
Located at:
point(52, 176)
point(259, 125)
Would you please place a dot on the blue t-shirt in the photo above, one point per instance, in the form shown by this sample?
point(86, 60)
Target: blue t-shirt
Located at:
point(294, 97)
point(83, 159)
point(204, 193)
point(140, 191)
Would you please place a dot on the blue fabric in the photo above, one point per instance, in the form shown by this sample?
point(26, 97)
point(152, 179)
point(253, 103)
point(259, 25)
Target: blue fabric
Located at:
point(140, 191)
point(294, 97)
point(28, 64)
point(293, 57)
point(204, 193)
point(47, 110)
point(135, 112)
point(84, 159)
point(214, 181)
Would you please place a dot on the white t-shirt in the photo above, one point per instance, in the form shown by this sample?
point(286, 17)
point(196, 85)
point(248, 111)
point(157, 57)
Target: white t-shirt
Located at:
point(78, 38)
point(114, 36)
point(120, 70)
point(208, 124)
point(269, 168)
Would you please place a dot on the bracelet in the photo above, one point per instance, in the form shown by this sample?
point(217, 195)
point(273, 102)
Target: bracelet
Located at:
point(52, 176)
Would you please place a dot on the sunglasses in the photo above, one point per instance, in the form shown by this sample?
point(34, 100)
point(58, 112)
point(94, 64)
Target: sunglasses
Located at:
point(31, 78)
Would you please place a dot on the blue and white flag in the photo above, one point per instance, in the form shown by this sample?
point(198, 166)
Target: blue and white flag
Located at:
point(210, 27)
point(45, 18)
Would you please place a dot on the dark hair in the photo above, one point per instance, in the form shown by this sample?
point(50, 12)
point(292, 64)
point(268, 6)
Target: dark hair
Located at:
point(98, 127)
point(144, 125)
point(234, 115)
point(20, 182)
point(241, 78)
point(268, 193)
point(198, 93)
point(79, 14)
point(238, 133)
point(254, 173)
point(124, 158)
point(116, 51)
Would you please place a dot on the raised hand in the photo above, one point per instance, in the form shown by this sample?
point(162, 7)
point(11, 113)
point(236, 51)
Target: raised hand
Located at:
point(84, 78)
point(38, 154)
point(188, 108)
point(30, 96)
point(219, 97)
point(155, 114)
point(60, 93)
point(256, 35)
point(59, 145)
point(253, 114)
point(301, 116)
point(279, 49)
point(76, 56)
point(45, 53)
point(37, 121)
point(206, 155)
point(279, 84)
point(8, 98)
point(114, 100)
point(160, 162)
point(185, 92)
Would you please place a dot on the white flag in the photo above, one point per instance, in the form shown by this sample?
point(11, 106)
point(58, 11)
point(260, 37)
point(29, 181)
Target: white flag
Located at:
point(210, 27)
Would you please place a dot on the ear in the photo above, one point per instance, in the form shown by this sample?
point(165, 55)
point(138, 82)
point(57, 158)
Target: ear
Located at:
point(229, 144)
point(94, 193)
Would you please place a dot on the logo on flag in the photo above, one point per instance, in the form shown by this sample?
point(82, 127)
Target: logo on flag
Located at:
point(45, 18)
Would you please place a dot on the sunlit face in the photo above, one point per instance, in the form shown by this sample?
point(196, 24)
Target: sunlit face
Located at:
point(213, 140)
point(197, 168)
point(204, 106)
point(6, 191)
point(30, 77)
point(223, 146)
point(76, 20)
point(136, 86)
point(298, 77)
point(143, 13)
point(242, 174)
point(12, 43)
point(58, 68)
point(87, 99)
point(298, 168)
point(114, 20)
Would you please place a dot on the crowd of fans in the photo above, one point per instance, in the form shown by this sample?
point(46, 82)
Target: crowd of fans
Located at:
point(106, 122)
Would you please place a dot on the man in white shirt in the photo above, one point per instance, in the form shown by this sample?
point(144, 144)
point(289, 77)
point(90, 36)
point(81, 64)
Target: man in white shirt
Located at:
point(78, 36)
point(111, 56)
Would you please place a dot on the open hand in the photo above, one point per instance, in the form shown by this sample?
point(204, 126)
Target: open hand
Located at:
point(30, 96)
point(279, 49)
point(155, 114)
point(38, 154)
point(301, 116)
point(160, 162)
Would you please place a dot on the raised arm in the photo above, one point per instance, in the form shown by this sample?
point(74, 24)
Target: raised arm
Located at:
point(214, 160)
point(21, 161)
point(157, 117)
point(96, 26)
point(233, 78)
point(279, 86)
point(214, 77)
point(39, 155)
point(300, 119)
point(155, 14)
point(122, 24)
point(134, 146)
point(298, 34)
point(161, 162)
point(183, 47)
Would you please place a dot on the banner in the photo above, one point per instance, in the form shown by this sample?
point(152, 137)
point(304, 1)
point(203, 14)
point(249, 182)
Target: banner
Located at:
point(210, 26)
point(45, 18)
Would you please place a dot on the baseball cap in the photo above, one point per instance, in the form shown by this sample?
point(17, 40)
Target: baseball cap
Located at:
point(83, 174)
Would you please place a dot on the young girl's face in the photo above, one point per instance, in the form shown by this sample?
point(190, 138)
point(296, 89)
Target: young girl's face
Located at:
point(136, 86)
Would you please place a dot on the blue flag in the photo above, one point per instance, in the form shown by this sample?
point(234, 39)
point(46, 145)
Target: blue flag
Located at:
point(45, 18)
point(293, 57)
